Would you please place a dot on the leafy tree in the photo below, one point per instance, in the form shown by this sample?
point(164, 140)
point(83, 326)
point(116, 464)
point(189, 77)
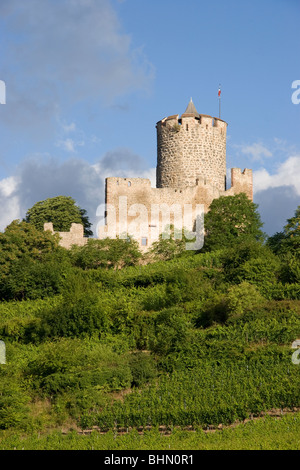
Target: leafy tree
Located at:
point(106, 253)
point(14, 409)
point(30, 279)
point(275, 242)
point(243, 297)
point(32, 263)
point(79, 314)
point(292, 228)
point(286, 245)
point(142, 367)
point(22, 239)
point(288, 240)
point(250, 260)
point(231, 219)
point(61, 211)
point(171, 244)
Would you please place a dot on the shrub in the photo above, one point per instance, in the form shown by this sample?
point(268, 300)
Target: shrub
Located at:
point(171, 331)
point(72, 364)
point(78, 314)
point(108, 253)
point(142, 367)
point(14, 409)
point(243, 297)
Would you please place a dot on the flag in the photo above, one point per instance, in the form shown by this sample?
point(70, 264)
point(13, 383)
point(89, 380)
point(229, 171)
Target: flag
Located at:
point(219, 92)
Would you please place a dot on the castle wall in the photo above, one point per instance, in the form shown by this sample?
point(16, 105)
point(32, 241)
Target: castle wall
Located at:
point(190, 148)
point(137, 209)
point(190, 174)
point(241, 182)
point(73, 237)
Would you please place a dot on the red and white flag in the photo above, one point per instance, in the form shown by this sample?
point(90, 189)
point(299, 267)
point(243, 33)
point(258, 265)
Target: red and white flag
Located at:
point(219, 92)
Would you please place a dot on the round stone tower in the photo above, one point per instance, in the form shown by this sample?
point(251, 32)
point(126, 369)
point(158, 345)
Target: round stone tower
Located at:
point(189, 148)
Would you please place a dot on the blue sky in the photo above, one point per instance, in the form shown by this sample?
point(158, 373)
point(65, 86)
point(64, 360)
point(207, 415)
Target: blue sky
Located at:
point(87, 80)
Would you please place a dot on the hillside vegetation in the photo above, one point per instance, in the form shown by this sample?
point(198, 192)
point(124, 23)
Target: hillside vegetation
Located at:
point(99, 337)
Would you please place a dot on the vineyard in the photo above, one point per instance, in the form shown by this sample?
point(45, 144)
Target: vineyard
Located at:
point(208, 396)
point(189, 344)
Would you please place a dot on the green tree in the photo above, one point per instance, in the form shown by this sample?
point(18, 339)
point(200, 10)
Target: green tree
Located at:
point(22, 239)
point(275, 242)
point(106, 253)
point(31, 262)
point(242, 298)
point(79, 314)
point(292, 228)
point(250, 261)
point(61, 211)
point(231, 219)
point(170, 244)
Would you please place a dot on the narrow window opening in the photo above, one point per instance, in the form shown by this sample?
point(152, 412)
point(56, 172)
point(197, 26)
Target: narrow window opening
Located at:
point(129, 183)
point(144, 241)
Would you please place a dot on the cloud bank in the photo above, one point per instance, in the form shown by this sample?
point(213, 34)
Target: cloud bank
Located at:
point(39, 178)
point(278, 193)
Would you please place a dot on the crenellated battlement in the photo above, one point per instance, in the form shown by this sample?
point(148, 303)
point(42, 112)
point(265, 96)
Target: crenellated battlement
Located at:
point(127, 182)
point(204, 120)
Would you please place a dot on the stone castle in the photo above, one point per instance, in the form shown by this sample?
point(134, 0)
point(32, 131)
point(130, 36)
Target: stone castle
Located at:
point(191, 172)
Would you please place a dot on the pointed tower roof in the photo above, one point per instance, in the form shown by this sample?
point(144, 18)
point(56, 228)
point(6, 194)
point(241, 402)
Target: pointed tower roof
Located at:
point(191, 109)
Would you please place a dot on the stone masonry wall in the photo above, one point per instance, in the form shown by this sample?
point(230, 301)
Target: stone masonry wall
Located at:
point(133, 206)
point(73, 237)
point(241, 182)
point(190, 148)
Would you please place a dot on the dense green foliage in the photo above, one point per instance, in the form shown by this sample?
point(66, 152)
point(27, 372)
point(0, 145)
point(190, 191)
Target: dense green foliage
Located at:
point(106, 253)
point(99, 336)
point(232, 219)
point(61, 211)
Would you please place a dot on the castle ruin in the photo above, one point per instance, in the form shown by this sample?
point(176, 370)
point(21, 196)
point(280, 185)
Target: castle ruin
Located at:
point(67, 239)
point(190, 173)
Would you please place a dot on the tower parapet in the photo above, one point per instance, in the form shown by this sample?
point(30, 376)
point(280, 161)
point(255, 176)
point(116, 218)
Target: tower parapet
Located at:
point(190, 147)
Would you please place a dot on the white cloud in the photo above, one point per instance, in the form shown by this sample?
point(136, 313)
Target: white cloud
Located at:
point(257, 151)
point(8, 186)
point(287, 174)
point(39, 178)
point(277, 194)
point(69, 145)
point(69, 127)
point(9, 201)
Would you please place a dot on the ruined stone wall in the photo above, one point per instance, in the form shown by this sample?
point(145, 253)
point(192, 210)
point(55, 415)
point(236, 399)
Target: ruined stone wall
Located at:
point(241, 182)
point(190, 148)
point(73, 237)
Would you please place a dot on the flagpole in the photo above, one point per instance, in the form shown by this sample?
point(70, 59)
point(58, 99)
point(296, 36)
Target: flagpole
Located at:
point(219, 94)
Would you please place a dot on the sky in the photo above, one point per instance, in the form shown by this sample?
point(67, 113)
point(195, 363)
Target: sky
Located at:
point(87, 81)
